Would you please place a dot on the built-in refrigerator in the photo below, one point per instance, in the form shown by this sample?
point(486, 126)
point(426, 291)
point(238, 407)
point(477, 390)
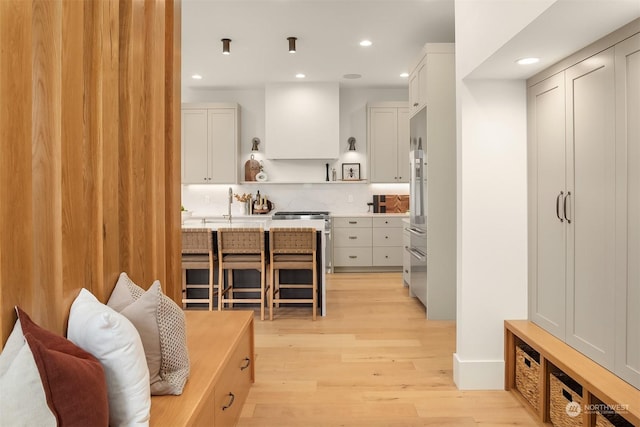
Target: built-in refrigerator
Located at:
point(418, 206)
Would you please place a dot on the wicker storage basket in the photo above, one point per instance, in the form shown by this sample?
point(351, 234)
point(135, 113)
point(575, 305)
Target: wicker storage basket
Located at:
point(611, 420)
point(564, 390)
point(528, 373)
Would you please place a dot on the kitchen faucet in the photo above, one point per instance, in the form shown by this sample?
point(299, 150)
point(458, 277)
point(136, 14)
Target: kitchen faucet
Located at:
point(229, 204)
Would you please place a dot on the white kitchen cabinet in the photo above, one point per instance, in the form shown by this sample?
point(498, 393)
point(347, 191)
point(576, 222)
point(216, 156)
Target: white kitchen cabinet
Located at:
point(388, 140)
point(584, 205)
point(362, 243)
point(302, 121)
point(417, 86)
point(209, 143)
point(627, 294)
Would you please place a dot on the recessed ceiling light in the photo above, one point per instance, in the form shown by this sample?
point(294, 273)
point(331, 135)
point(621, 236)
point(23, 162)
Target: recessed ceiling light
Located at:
point(527, 61)
point(196, 77)
point(366, 43)
point(404, 75)
point(352, 76)
point(300, 76)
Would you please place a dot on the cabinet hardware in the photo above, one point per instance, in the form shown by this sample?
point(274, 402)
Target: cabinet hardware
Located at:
point(353, 256)
point(232, 397)
point(558, 206)
point(564, 207)
point(415, 231)
point(246, 364)
point(417, 254)
point(415, 104)
point(353, 237)
point(353, 222)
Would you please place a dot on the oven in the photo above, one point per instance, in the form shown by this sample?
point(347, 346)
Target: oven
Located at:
point(323, 215)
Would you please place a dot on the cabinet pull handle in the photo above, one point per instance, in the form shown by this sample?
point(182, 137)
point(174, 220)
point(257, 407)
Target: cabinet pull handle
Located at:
point(232, 398)
point(353, 256)
point(564, 207)
point(353, 222)
point(558, 206)
point(415, 104)
point(246, 364)
point(353, 237)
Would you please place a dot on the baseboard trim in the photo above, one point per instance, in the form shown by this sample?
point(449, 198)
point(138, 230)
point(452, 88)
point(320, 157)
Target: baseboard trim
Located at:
point(478, 374)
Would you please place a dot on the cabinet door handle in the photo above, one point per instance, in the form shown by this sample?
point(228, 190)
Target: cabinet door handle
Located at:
point(353, 237)
point(564, 207)
point(415, 104)
point(247, 363)
point(353, 256)
point(353, 222)
point(232, 397)
point(558, 206)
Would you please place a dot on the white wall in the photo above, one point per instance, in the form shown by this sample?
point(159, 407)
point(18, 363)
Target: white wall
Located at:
point(492, 189)
point(211, 199)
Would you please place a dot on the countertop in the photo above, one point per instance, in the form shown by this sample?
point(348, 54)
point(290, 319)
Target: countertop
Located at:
point(252, 221)
point(366, 214)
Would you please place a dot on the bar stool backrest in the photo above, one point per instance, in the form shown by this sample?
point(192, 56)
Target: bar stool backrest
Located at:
point(249, 240)
point(292, 240)
point(197, 241)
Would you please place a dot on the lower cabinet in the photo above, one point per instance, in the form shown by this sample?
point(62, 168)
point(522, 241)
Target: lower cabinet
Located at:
point(374, 241)
point(222, 370)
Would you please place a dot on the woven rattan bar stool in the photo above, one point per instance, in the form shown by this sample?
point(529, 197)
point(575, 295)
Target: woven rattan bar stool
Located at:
point(292, 249)
point(197, 253)
point(241, 249)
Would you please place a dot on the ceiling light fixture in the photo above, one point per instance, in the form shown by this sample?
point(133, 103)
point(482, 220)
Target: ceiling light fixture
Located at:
point(226, 46)
point(300, 76)
point(527, 61)
point(404, 75)
point(365, 43)
point(196, 77)
point(292, 44)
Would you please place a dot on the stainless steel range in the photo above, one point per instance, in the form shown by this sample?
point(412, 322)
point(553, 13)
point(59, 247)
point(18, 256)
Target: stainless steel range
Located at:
point(323, 215)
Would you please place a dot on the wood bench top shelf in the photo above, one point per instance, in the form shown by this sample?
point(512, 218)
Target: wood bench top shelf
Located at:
point(219, 344)
point(595, 380)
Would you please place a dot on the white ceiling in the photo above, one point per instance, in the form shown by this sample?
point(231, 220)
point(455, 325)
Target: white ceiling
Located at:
point(328, 32)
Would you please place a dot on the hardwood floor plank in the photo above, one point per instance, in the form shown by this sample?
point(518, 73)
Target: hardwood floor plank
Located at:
point(374, 360)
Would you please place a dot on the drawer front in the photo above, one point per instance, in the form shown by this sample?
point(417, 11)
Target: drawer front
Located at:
point(352, 257)
point(351, 237)
point(387, 237)
point(387, 256)
point(388, 221)
point(351, 222)
point(232, 388)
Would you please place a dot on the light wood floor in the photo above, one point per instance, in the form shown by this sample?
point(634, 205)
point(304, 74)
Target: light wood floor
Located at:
point(372, 361)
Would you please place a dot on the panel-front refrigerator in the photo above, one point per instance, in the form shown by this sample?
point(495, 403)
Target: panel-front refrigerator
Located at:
point(418, 206)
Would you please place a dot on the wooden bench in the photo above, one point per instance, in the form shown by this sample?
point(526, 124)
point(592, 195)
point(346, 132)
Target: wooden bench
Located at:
point(598, 383)
point(221, 352)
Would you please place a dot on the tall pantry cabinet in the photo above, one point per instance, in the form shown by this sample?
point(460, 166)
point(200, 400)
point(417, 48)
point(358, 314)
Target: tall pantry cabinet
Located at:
point(584, 202)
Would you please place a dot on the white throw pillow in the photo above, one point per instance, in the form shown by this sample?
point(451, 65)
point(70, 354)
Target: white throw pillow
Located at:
point(115, 342)
point(23, 401)
point(161, 324)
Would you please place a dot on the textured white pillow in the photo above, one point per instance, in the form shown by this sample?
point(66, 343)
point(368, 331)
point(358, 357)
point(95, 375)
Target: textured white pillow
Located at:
point(114, 341)
point(162, 328)
point(23, 401)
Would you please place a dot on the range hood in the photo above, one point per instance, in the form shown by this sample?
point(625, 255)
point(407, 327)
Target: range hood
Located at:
point(302, 120)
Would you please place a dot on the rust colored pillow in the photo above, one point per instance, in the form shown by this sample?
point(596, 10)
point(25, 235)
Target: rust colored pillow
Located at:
point(73, 380)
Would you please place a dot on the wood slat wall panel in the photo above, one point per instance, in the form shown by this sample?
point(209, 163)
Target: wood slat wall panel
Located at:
point(89, 153)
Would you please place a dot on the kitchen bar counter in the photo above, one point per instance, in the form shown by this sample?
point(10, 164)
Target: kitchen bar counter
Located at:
point(266, 223)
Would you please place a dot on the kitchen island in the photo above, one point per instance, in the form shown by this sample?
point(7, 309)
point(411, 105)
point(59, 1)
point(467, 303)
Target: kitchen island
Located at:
point(266, 223)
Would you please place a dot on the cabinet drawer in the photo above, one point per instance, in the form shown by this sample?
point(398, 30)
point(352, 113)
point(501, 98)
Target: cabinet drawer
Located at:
point(232, 388)
point(352, 257)
point(352, 222)
point(387, 256)
point(387, 237)
point(387, 221)
point(352, 237)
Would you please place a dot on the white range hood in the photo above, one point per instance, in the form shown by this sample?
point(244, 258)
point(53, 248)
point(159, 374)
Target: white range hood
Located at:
point(302, 120)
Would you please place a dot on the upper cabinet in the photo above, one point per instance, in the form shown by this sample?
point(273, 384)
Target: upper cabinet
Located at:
point(418, 81)
point(209, 143)
point(302, 121)
point(388, 135)
point(425, 76)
